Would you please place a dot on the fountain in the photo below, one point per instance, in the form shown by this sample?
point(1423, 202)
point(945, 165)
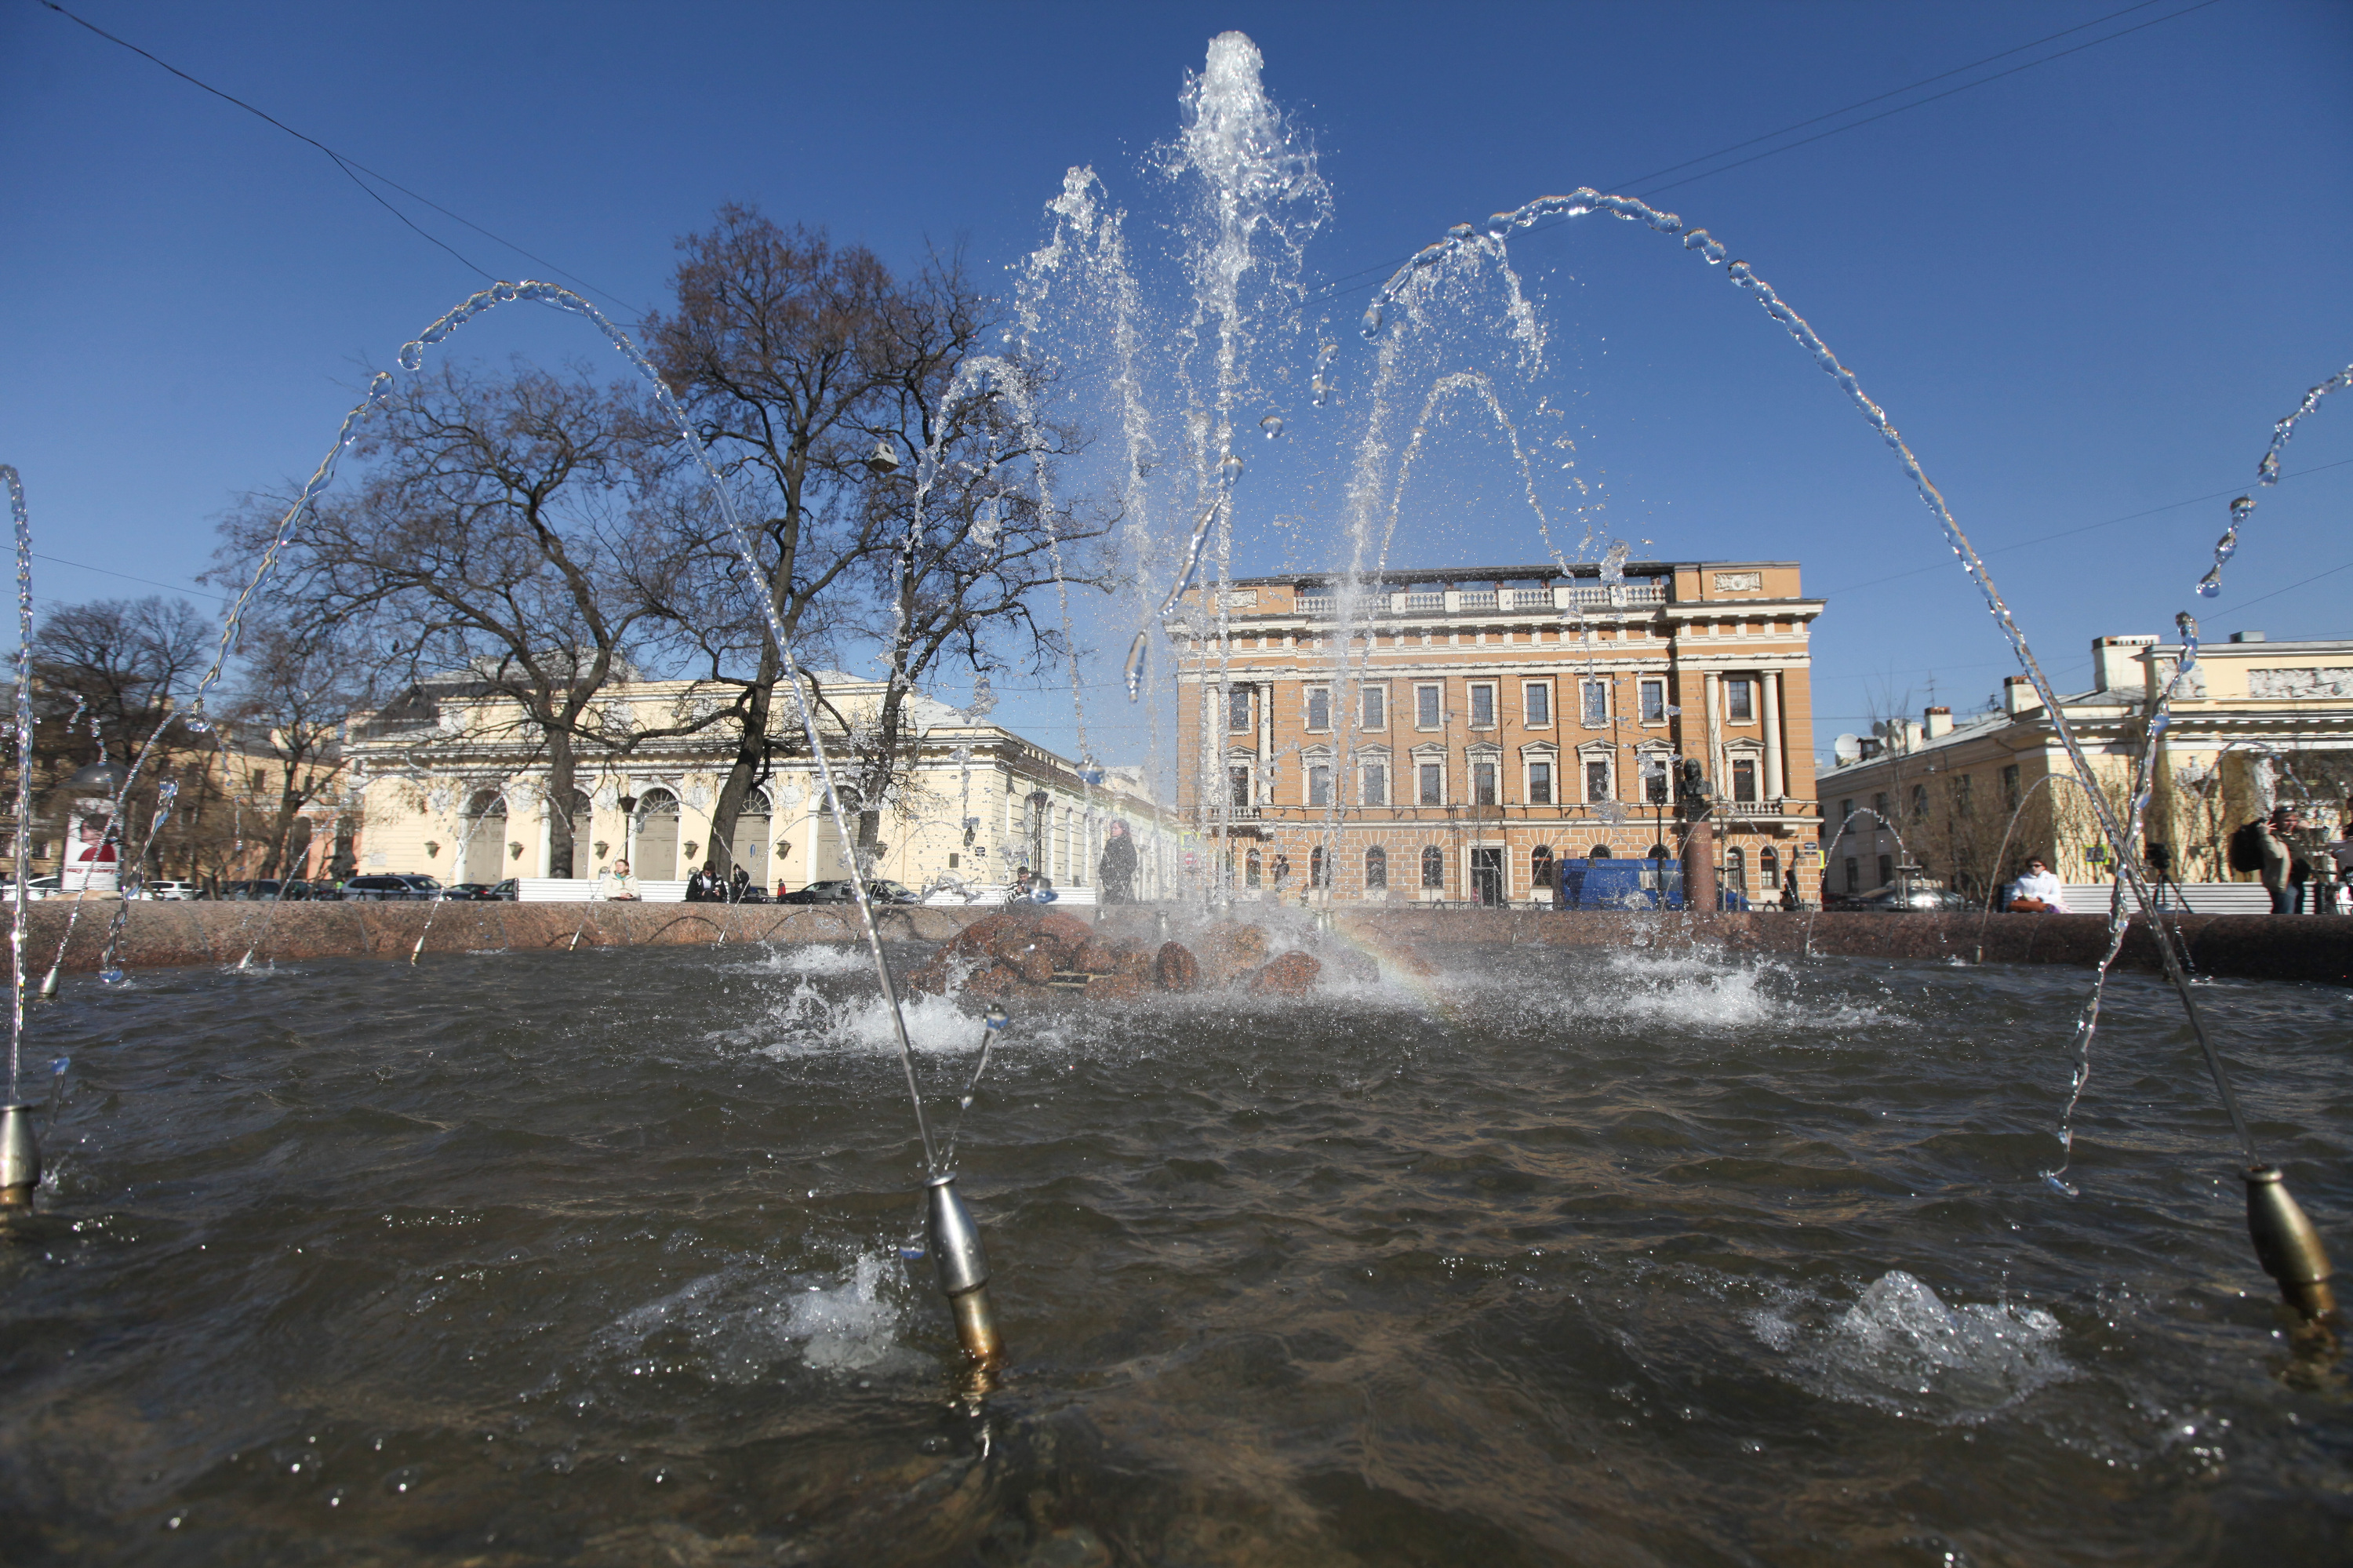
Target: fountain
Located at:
point(1329, 1241)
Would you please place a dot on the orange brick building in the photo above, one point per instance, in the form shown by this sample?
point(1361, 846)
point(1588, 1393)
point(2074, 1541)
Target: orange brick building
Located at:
point(1483, 723)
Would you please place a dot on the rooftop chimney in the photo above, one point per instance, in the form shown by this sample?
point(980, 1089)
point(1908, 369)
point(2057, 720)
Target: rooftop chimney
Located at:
point(2017, 695)
point(2246, 637)
point(1939, 720)
point(2116, 663)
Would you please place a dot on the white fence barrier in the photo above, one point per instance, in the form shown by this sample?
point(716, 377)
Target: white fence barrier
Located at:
point(988, 897)
point(2202, 897)
point(581, 890)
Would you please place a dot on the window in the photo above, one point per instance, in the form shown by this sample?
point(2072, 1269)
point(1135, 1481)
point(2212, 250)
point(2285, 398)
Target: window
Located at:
point(1483, 783)
point(1540, 867)
point(1655, 701)
point(1920, 800)
point(1319, 708)
point(1377, 707)
point(1238, 709)
point(1251, 871)
point(1854, 876)
point(1768, 870)
point(1539, 783)
point(1377, 867)
point(1433, 866)
point(1961, 795)
point(1483, 706)
point(1744, 779)
point(1654, 780)
point(1433, 784)
point(1735, 870)
point(1377, 784)
point(1425, 707)
point(1319, 786)
point(1886, 869)
point(1739, 699)
point(1316, 867)
point(1536, 697)
point(2009, 787)
point(1661, 852)
point(1596, 697)
point(1879, 807)
point(1846, 815)
point(1598, 852)
point(1238, 788)
point(1596, 780)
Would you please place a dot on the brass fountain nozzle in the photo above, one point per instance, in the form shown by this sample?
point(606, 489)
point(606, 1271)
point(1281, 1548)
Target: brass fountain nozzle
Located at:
point(963, 1264)
point(2287, 1246)
point(20, 1156)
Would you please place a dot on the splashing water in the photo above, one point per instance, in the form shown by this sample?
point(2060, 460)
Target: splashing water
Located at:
point(24, 521)
point(2267, 472)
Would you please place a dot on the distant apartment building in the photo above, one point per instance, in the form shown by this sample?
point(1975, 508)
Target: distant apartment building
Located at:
point(1969, 800)
point(1468, 728)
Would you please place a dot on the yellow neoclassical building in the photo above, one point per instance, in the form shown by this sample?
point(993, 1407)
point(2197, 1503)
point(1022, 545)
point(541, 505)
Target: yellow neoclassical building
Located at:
point(454, 789)
point(1458, 732)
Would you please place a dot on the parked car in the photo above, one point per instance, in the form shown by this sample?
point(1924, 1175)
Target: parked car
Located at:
point(169, 890)
point(382, 889)
point(484, 892)
point(35, 890)
point(1893, 899)
point(878, 891)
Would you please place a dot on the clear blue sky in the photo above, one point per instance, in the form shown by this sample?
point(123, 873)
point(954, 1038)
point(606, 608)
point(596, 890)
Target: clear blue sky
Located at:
point(2084, 291)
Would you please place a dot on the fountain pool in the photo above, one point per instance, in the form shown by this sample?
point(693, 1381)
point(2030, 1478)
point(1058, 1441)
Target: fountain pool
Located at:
point(1645, 1256)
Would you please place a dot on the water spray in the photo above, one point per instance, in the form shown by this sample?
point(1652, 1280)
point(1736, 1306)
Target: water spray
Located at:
point(20, 1150)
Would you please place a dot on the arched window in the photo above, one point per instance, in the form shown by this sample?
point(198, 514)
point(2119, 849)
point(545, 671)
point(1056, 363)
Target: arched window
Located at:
point(1598, 852)
point(484, 836)
point(1316, 867)
point(1768, 870)
point(1661, 852)
point(1433, 866)
point(1735, 870)
point(1377, 867)
point(1252, 873)
point(653, 838)
point(1540, 866)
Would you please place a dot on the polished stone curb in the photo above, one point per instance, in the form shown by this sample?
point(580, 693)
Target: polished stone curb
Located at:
point(2243, 946)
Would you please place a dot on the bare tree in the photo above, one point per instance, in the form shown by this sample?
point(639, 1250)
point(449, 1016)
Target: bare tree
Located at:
point(296, 689)
point(495, 545)
point(776, 351)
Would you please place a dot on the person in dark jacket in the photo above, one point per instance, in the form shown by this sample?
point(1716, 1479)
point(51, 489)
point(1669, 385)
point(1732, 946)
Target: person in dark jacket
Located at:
point(1117, 868)
point(737, 883)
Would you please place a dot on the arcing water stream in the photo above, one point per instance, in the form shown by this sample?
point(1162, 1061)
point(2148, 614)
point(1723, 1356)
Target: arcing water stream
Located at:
point(1654, 1254)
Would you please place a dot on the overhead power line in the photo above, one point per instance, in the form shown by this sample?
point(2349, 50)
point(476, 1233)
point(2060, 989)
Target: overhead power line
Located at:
point(1333, 289)
point(352, 169)
point(2084, 528)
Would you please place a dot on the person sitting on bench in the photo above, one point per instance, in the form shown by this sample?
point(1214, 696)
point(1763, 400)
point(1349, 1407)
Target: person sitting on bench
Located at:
point(2039, 892)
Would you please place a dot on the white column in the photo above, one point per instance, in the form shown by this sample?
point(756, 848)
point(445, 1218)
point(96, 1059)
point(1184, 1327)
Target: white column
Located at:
point(1712, 697)
point(1772, 717)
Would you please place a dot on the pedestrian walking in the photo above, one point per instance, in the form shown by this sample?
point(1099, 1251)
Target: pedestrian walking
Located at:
point(1115, 870)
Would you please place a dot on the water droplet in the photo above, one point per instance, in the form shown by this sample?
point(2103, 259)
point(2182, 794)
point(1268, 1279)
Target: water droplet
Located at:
point(110, 977)
point(1500, 224)
point(1371, 325)
point(2239, 508)
point(1229, 467)
point(1271, 425)
point(2267, 471)
point(1139, 653)
point(412, 354)
point(1459, 231)
point(1321, 390)
point(2211, 584)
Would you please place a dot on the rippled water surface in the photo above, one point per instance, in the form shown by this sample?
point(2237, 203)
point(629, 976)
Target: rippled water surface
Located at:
point(1632, 1257)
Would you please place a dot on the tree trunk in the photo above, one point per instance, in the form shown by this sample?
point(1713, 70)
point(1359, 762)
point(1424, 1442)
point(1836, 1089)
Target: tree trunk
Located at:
point(751, 756)
point(560, 771)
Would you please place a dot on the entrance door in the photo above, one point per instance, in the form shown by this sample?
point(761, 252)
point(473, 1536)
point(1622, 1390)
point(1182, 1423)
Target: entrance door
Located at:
point(1487, 873)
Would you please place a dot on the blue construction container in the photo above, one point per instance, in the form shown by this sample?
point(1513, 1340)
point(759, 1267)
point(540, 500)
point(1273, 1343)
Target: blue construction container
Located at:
point(1626, 885)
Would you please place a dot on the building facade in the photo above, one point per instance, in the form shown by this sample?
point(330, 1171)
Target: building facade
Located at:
point(454, 790)
point(1969, 801)
point(1452, 733)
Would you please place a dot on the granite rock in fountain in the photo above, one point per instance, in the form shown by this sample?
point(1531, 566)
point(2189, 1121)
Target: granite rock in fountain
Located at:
point(1292, 974)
